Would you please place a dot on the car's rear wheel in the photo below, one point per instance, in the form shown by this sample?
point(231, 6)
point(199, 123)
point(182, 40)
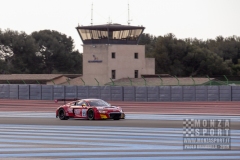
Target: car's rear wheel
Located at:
point(90, 114)
point(61, 115)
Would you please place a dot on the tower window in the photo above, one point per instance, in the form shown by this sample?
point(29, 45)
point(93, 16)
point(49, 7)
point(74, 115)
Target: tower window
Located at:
point(136, 73)
point(136, 55)
point(113, 74)
point(113, 55)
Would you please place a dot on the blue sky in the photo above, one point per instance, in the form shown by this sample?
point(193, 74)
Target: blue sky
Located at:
point(203, 19)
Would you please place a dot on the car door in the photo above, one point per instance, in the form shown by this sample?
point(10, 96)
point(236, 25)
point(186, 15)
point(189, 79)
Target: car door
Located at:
point(76, 108)
point(84, 109)
point(80, 109)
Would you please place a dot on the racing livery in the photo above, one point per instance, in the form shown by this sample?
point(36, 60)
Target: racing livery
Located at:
point(88, 109)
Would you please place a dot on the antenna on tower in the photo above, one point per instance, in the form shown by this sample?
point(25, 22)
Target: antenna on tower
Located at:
point(128, 16)
point(92, 15)
point(109, 20)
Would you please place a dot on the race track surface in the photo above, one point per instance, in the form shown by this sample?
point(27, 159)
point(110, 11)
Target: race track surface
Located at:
point(29, 130)
point(212, 108)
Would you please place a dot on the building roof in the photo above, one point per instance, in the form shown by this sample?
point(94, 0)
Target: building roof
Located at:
point(75, 81)
point(29, 76)
point(35, 76)
point(166, 81)
point(110, 34)
point(110, 26)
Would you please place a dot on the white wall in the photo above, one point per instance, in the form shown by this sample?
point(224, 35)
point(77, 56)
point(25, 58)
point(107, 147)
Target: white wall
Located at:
point(95, 70)
point(149, 66)
point(124, 63)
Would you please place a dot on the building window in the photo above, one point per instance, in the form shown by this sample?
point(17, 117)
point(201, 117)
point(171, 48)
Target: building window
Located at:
point(113, 54)
point(113, 74)
point(136, 55)
point(136, 73)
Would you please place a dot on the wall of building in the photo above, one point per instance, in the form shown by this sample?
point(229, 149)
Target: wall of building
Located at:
point(124, 62)
point(149, 66)
point(94, 70)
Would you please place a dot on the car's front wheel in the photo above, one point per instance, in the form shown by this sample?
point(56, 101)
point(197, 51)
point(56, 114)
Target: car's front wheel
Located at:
point(90, 114)
point(61, 115)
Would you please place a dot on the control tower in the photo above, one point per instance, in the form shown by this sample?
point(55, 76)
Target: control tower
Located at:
point(112, 51)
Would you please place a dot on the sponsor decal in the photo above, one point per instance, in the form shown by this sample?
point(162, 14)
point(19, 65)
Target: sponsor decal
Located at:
point(77, 111)
point(70, 110)
point(103, 116)
point(207, 134)
point(95, 60)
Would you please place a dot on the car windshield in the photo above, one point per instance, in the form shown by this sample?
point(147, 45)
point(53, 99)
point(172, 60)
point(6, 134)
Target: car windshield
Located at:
point(98, 102)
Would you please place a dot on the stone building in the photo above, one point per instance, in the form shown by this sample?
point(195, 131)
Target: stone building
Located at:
point(111, 51)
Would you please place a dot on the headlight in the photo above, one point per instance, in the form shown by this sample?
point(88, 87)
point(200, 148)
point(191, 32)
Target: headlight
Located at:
point(101, 111)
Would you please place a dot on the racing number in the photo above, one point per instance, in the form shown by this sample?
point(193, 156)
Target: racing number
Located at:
point(84, 112)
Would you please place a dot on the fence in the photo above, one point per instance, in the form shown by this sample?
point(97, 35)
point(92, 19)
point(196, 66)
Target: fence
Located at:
point(176, 81)
point(121, 93)
point(145, 80)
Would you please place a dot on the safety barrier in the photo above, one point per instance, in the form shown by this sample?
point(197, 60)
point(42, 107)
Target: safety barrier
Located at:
point(121, 93)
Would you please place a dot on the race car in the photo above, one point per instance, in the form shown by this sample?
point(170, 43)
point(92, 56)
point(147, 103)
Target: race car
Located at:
point(91, 109)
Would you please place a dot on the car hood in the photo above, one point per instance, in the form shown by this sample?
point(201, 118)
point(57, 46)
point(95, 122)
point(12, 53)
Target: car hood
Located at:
point(108, 108)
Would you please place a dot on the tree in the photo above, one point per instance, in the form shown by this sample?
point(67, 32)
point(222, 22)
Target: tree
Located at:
point(56, 52)
point(23, 48)
point(149, 42)
point(201, 62)
point(189, 57)
point(168, 54)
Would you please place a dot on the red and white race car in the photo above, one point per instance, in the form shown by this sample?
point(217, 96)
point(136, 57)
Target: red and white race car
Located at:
point(88, 109)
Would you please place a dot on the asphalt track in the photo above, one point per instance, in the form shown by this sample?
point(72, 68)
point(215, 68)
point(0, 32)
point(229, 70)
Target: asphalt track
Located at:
point(153, 130)
point(148, 108)
point(121, 123)
point(210, 108)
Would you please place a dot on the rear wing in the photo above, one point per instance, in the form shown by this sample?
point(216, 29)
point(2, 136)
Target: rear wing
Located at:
point(74, 99)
